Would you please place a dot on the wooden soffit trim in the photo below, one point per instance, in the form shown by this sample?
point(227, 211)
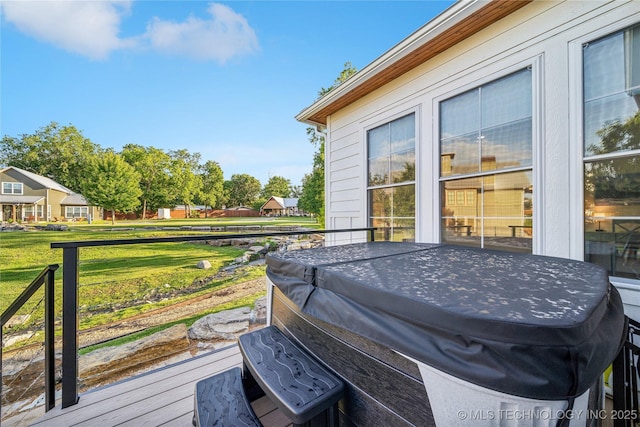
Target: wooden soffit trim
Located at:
point(490, 13)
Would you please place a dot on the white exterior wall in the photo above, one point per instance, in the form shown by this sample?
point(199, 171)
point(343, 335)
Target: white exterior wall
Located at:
point(546, 35)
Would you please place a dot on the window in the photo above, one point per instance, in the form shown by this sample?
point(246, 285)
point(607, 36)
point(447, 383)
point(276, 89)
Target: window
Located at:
point(486, 159)
point(11, 188)
point(391, 164)
point(29, 212)
point(76, 212)
point(611, 128)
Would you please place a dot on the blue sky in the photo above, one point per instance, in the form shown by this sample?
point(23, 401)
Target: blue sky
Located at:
point(224, 79)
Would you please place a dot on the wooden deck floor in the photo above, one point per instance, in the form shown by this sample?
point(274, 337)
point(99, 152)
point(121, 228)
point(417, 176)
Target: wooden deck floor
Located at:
point(163, 397)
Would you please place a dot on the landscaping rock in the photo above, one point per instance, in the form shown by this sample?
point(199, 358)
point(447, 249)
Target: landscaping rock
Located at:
point(228, 325)
point(259, 249)
point(259, 313)
point(204, 264)
point(56, 227)
point(13, 339)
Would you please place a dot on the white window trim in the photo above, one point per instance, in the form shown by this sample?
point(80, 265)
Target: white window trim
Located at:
point(379, 120)
point(576, 112)
point(66, 211)
point(13, 183)
point(537, 143)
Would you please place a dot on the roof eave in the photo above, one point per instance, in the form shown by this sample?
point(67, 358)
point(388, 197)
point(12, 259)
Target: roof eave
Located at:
point(458, 22)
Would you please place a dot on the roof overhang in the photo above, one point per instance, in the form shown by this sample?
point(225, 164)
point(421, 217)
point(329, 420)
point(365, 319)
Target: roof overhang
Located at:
point(14, 199)
point(460, 21)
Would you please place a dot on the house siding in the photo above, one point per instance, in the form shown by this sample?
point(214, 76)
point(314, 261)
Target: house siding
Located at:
point(50, 191)
point(541, 34)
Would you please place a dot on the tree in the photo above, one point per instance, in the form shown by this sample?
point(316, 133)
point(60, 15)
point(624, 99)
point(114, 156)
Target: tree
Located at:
point(312, 197)
point(348, 71)
point(185, 180)
point(616, 178)
point(212, 191)
point(153, 165)
point(242, 190)
point(277, 186)
point(57, 152)
point(111, 183)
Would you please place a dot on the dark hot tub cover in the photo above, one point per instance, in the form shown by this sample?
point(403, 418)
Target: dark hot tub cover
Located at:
point(531, 326)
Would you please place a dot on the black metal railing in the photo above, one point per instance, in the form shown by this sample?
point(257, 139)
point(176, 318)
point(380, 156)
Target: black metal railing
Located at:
point(47, 278)
point(626, 406)
point(70, 259)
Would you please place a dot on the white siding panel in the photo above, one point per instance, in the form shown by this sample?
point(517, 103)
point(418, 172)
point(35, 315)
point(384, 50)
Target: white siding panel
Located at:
point(352, 172)
point(346, 185)
point(345, 162)
point(345, 195)
point(349, 150)
point(344, 136)
point(343, 206)
point(346, 222)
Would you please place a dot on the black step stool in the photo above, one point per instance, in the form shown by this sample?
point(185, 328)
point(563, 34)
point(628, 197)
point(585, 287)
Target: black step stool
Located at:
point(300, 387)
point(296, 382)
point(220, 400)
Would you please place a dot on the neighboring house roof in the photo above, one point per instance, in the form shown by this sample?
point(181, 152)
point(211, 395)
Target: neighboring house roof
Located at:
point(460, 21)
point(15, 199)
point(74, 199)
point(42, 180)
point(283, 202)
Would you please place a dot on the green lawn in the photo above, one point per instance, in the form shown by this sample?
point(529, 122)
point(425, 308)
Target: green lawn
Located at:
point(119, 281)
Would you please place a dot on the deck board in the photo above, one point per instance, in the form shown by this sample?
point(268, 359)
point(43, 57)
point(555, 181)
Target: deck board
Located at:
point(161, 397)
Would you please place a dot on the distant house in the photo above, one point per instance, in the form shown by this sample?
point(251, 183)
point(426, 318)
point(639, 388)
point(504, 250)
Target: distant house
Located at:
point(26, 196)
point(280, 206)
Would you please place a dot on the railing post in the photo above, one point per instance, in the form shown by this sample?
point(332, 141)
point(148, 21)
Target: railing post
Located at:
point(49, 337)
point(70, 326)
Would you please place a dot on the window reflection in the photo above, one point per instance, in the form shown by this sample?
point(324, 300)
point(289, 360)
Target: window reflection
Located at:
point(612, 132)
point(391, 152)
point(490, 211)
point(492, 121)
point(392, 212)
point(488, 129)
point(391, 176)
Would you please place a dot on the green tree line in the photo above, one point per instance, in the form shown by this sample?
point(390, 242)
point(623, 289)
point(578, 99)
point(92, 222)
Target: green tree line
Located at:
point(136, 179)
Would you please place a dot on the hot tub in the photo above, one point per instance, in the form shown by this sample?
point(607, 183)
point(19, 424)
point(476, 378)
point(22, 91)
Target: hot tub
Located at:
point(427, 334)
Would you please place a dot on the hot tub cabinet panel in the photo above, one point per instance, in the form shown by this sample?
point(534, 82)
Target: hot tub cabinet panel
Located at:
point(422, 333)
point(381, 384)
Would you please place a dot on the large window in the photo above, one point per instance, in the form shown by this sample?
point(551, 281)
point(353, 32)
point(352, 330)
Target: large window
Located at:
point(486, 163)
point(76, 212)
point(11, 188)
point(611, 103)
point(391, 163)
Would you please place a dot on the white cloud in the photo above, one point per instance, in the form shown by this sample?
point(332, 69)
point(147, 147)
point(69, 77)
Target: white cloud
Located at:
point(225, 35)
point(89, 28)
